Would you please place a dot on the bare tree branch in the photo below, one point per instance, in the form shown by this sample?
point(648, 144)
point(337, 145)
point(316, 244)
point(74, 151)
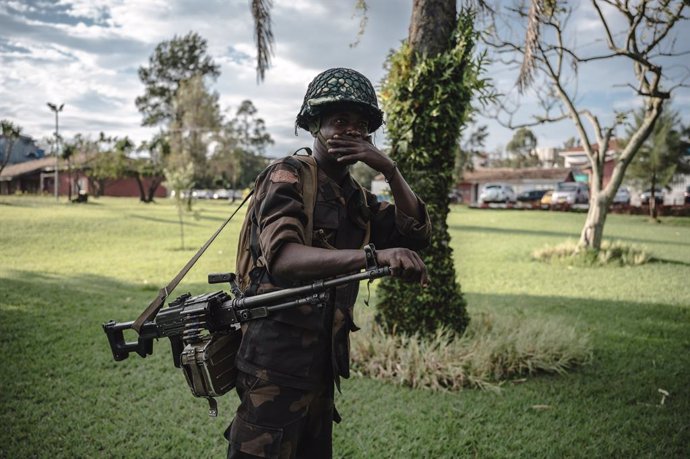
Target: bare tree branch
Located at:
point(531, 41)
point(263, 35)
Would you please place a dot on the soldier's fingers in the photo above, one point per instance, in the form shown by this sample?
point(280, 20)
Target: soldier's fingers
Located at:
point(421, 270)
point(396, 267)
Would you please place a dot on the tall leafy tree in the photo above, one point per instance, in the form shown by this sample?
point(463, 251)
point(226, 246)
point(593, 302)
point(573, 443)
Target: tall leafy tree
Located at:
point(241, 144)
point(171, 63)
point(198, 120)
point(522, 149)
point(550, 59)
point(660, 157)
point(427, 95)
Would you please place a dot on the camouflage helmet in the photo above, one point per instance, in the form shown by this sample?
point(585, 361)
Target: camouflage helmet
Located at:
point(336, 86)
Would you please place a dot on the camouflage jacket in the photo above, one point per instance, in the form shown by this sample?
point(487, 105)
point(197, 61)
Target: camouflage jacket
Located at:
point(307, 346)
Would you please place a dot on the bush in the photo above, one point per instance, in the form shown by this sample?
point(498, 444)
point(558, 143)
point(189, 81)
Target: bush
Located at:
point(611, 252)
point(492, 349)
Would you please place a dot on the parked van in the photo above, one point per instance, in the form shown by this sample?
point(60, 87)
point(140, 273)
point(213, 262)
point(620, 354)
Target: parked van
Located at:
point(568, 193)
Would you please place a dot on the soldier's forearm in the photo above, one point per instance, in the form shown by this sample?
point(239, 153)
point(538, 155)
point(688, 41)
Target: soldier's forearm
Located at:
point(405, 199)
point(300, 262)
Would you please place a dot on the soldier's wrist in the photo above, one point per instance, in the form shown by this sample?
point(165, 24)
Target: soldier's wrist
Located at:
point(391, 173)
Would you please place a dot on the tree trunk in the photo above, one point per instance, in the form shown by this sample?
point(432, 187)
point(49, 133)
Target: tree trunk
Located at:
point(593, 229)
point(426, 97)
point(142, 194)
point(431, 26)
point(155, 182)
point(652, 199)
point(69, 180)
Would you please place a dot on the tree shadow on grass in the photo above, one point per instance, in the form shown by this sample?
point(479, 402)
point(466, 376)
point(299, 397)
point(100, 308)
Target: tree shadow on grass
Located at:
point(61, 385)
point(511, 231)
point(170, 221)
point(669, 262)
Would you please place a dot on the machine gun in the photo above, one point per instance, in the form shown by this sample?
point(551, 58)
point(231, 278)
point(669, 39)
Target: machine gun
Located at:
point(204, 330)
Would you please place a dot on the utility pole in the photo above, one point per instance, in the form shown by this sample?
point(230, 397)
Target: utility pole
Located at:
point(56, 109)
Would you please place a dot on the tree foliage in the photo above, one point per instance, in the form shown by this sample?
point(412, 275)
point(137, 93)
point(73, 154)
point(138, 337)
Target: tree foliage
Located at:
point(171, 63)
point(470, 149)
point(240, 147)
point(427, 96)
point(198, 119)
point(660, 157)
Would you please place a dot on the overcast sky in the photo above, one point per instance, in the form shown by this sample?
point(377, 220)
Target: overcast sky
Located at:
point(85, 54)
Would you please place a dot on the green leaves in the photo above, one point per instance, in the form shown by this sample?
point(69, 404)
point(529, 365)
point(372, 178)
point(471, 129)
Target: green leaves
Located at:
point(428, 100)
point(172, 62)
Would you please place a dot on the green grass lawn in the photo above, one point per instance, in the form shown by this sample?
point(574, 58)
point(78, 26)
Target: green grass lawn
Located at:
point(66, 269)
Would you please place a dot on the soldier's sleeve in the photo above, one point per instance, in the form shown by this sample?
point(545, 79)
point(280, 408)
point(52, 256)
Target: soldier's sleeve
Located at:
point(280, 210)
point(391, 227)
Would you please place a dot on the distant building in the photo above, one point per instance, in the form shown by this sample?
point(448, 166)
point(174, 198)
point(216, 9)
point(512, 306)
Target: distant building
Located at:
point(35, 176)
point(38, 177)
point(547, 155)
point(24, 149)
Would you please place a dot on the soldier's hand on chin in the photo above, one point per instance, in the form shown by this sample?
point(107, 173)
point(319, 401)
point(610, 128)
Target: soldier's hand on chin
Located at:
point(404, 263)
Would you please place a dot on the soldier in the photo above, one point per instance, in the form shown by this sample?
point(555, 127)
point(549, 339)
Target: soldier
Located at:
point(290, 361)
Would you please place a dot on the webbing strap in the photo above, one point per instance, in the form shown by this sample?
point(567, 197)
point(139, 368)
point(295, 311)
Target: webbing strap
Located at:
point(309, 191)
point(155, 305)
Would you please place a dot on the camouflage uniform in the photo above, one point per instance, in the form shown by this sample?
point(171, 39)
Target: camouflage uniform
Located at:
point(290, 359)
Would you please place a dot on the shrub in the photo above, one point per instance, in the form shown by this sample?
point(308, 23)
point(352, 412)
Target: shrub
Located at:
point(492, 349)
point(611, 252)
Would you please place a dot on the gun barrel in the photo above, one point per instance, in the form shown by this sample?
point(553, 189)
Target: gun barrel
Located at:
point(316, 287)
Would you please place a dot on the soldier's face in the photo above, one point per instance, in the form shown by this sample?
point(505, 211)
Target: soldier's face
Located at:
point(345, 122)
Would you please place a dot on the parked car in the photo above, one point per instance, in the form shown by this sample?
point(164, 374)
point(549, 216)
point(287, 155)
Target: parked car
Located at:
point(531, 198)
point(497, 192)
point(546, 200)
point(622, 196)
point(221, 193)
point(531, 195)
point(687, 195)
point(646, 195)
point(202, 194)
point(568, 193)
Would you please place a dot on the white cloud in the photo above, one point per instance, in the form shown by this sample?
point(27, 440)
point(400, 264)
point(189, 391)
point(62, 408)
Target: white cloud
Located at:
point(85, 53)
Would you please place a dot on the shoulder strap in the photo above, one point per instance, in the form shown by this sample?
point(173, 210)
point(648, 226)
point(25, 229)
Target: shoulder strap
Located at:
point(155, 305)
point(309, 190)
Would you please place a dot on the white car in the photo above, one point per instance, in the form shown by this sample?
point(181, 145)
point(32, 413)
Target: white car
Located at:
point(569, 193)
point(221, 193)
point(497, 192)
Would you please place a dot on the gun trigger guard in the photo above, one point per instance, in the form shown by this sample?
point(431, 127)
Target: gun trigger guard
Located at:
point(370, 257)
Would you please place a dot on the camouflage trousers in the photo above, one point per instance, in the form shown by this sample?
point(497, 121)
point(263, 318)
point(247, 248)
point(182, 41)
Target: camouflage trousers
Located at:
point(280, 422)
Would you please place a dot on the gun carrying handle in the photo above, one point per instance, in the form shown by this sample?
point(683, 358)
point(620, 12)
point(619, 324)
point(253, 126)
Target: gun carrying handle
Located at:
point(121, 348)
